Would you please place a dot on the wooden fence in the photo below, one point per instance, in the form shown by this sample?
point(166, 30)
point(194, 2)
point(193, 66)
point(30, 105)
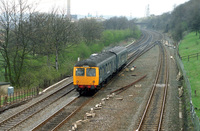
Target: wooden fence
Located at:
point(188, 57)
point(17, 97)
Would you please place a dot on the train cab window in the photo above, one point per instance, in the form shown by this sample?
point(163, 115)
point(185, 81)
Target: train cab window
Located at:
point(80, 71)
point(91, 72)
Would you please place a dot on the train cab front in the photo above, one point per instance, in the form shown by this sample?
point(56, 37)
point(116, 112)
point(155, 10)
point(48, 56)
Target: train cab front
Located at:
point(85, 78)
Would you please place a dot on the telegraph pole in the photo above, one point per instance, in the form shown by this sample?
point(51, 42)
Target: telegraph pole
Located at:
point(147, 11)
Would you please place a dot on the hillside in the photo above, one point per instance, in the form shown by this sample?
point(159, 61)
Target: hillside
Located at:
point(191, 45)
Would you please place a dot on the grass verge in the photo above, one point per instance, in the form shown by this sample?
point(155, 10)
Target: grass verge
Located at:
point(191, 45)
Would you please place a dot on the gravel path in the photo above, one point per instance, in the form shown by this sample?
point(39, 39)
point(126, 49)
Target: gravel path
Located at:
point(124, 114)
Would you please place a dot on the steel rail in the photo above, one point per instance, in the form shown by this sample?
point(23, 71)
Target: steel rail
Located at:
point(53, 115)
point(79, 108)
point(151, 95)
point(29, 116)
point(127, 86)
point(165, 93)
point(2, 123)
point(74, 112)
point(66, 118)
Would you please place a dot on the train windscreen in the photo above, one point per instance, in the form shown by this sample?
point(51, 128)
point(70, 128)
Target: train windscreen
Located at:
point(80, 71)
point(91, 72)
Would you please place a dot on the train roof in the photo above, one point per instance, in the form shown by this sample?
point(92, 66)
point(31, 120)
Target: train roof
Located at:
point(95, 60)
point(118, 50)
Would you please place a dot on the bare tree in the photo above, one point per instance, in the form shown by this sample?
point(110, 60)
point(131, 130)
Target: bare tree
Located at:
point(15, 41)
point(90, 29)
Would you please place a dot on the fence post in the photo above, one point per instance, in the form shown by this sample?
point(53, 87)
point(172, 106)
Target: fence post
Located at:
point(5, 100)
point(31, 92)
point(19, 96)
point(24, 94)
point(37, 90)
point(9, 97)
point(13, 95)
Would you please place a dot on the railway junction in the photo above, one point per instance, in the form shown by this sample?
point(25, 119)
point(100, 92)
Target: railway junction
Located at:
point(143, 96)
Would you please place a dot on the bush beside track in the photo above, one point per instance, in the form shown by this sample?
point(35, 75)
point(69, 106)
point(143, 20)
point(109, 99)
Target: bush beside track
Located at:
point(40, 70)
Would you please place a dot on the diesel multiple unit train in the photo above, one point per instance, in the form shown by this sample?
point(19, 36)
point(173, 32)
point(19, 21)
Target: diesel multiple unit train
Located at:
point(91, 73)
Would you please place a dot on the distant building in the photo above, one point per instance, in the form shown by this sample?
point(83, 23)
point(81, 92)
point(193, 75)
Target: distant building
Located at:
point(74, 17)
point(99, 19)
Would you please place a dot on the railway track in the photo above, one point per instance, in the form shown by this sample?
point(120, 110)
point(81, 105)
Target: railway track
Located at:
point(52, 123)
point(154, 110)
point(73, 105)
point(55, 121)
point(19, 117)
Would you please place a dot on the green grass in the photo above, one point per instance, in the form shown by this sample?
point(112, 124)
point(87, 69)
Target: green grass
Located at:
point(191, 45)
point(39, 68)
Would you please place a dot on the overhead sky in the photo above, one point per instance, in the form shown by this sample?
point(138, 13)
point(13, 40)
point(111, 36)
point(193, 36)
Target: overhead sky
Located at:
point(134, 8)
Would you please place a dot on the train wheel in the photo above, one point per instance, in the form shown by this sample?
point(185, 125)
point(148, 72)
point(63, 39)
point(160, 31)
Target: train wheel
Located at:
point(96, 90)
point(80, 92)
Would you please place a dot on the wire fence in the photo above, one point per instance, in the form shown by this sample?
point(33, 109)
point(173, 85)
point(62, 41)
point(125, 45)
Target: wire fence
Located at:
point(194, 117)
point(17, 97)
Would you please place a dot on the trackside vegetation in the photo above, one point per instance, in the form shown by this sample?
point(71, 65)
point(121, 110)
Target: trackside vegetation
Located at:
point(37, 70)
point(191, 45)
point(37, 48)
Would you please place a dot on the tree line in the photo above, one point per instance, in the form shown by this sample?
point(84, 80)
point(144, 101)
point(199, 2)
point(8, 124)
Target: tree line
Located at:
point(185, 17)
point(31, 40)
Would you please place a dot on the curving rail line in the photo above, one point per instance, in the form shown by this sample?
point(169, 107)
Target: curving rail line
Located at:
point(75, 110)
point(155, 105)
point(138, 48)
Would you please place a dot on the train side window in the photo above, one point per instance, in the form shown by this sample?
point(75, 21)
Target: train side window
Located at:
point(80, 71)
point(101, 71)
point(91, 72)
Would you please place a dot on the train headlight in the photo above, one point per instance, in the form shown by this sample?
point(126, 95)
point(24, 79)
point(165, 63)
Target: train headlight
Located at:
point(93, 81)
point(77, 81)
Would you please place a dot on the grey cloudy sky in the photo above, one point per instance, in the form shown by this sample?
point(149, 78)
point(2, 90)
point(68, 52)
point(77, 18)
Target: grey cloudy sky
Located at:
point(136, 8)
